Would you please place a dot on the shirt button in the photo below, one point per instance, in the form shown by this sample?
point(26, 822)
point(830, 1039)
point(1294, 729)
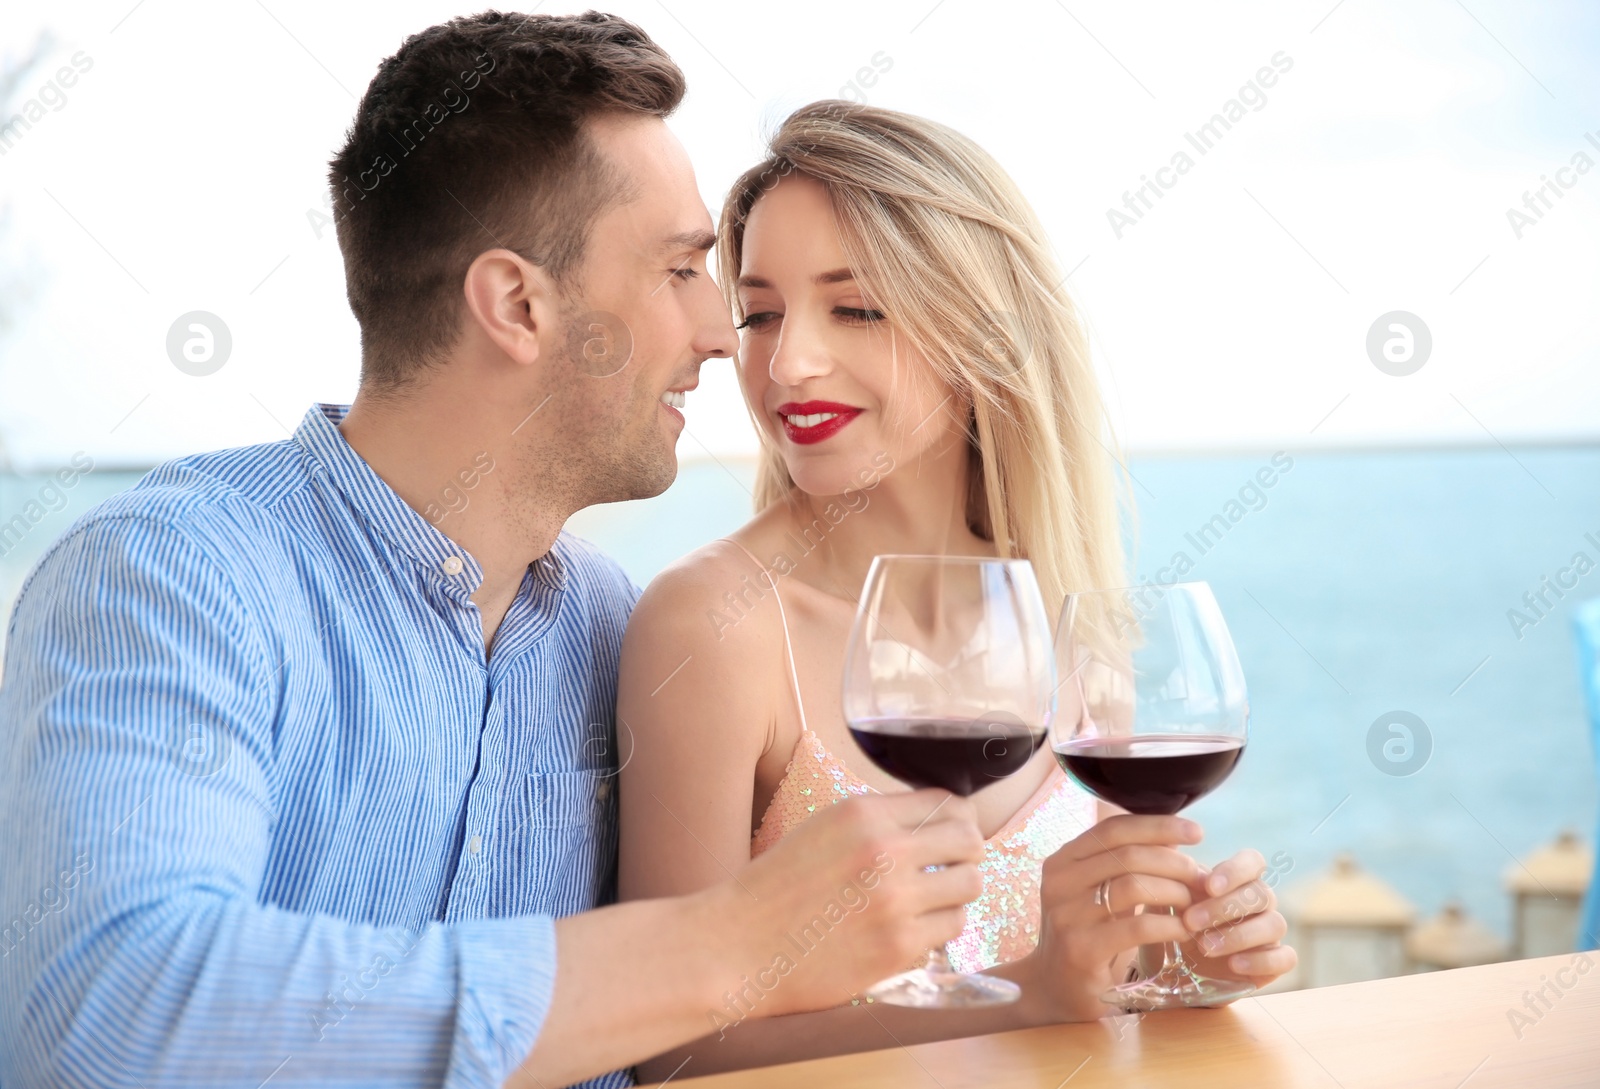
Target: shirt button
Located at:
point(604, 789)
point(452, 565)
point(475, 844)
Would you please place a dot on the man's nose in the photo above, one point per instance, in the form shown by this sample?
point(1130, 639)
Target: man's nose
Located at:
point(715, 336)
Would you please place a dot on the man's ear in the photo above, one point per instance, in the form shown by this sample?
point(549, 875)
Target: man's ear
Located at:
point(513, 301)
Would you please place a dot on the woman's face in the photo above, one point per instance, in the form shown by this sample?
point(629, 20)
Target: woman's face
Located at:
point(835, 385)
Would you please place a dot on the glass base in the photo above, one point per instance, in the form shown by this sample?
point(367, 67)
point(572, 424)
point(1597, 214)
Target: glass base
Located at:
point(1174, 988)
point(944, 989)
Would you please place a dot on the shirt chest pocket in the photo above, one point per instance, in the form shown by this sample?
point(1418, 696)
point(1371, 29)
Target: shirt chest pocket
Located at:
point(564, 799)
point(570, 839)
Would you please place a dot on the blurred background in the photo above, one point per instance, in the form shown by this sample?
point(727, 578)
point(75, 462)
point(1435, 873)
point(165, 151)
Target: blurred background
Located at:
point(1355, 244)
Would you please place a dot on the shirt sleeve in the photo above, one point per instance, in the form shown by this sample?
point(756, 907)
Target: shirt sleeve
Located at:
point(138, 711)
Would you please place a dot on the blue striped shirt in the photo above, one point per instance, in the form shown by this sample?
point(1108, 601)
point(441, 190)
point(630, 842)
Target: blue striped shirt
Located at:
point(269, 810)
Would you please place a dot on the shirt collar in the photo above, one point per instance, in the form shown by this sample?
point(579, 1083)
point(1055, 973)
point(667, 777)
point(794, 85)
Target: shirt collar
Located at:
point(391, 517)
point(380, 506)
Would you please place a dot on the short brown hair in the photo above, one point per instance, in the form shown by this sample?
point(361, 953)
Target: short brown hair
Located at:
point(471, 137)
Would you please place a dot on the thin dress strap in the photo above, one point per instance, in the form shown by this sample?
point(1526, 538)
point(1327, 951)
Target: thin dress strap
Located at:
point(788, 647)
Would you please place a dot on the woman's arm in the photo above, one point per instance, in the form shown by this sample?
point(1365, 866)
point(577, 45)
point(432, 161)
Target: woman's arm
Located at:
point(694, 713)
point(699, 699)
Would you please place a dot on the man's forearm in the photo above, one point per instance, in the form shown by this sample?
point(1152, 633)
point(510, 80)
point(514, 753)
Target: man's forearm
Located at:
point(635, 979)
point(632, 980)
point(844, 1030)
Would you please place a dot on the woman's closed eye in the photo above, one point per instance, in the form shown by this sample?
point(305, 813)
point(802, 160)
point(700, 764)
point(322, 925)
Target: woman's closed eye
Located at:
point(863, 315)
point(757, 320)
point(850, 315)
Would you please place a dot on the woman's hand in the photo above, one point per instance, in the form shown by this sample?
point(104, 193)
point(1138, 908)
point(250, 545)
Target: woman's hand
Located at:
point(1238, 931)
point(1228, 922)
point(1085, 946)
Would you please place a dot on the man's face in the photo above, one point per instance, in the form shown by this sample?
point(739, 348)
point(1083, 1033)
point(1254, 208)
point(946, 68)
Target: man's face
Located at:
point(646, 315)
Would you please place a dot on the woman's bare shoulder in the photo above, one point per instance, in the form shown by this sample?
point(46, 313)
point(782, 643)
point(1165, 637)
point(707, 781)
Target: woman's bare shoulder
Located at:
point(696, 626)
point(708, 600)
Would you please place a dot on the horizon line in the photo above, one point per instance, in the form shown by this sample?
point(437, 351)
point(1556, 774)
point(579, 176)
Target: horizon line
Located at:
point(1384, 446)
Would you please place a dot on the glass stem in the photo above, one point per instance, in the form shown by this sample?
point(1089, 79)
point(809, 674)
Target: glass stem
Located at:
point(1172, 956)
point(1172, 966)
point(938, 960)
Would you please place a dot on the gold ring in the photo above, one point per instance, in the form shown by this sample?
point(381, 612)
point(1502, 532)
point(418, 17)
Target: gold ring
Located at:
point(1102, 898)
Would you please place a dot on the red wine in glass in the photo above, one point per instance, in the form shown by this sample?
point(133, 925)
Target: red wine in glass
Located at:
point(1151, 773)
point(1152, 715)
point(959, 755)
point(949, 681)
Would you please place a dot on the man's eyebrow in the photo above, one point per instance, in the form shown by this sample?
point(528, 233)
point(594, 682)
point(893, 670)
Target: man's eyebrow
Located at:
point(833, 276)
point(696, 239)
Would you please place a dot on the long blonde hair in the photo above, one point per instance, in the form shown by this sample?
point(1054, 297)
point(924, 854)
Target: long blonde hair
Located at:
point(946, 244)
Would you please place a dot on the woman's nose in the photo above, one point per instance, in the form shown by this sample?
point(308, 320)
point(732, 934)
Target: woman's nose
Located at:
point(801, 353)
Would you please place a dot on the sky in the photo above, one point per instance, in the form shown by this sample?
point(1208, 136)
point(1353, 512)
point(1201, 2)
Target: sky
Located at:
point(1339, 267)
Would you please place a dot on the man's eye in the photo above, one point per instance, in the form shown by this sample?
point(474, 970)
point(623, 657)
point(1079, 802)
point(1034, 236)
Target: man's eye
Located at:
point(685, 273)
point(856, 313)
point(756, 321)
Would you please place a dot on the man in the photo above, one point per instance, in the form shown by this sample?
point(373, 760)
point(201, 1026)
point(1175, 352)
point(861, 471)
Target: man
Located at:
point(309, 746)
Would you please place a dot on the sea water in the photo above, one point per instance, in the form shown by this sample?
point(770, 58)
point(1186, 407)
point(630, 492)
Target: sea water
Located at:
point(1434, 582)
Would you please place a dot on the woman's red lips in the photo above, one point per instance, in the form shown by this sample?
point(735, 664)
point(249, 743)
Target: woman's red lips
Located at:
point(816, 432)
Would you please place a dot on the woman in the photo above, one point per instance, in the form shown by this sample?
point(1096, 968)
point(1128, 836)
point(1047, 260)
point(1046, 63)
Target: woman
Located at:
point(920, 385)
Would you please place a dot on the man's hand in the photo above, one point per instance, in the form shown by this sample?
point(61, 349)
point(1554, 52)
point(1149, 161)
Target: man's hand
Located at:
point(838, 904)
point(845, 900)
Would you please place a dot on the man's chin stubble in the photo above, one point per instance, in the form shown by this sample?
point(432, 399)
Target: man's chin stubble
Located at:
point(640, 476)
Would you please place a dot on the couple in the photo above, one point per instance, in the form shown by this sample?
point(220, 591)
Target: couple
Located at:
point(310, 782)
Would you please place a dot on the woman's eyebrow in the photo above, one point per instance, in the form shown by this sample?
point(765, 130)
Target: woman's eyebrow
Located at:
point(835, 276)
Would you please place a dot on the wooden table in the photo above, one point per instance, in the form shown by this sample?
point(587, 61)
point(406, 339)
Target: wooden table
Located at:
point(1447, 1029)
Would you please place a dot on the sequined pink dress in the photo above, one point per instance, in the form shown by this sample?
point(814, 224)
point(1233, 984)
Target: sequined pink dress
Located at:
point(1003, 922)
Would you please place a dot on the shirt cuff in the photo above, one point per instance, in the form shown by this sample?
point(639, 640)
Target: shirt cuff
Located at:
point(506, 979)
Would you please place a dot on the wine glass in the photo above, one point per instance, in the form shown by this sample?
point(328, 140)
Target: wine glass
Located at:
point(949, 682)
point(1151, 716)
